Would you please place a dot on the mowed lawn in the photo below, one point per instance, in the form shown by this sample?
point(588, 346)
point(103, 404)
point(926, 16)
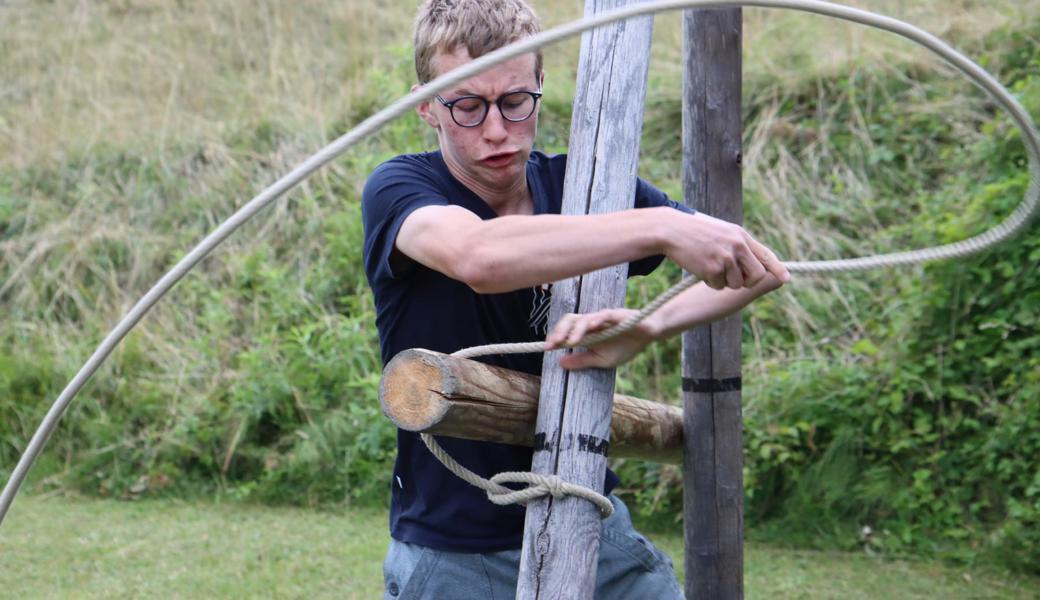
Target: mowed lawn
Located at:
point(85, 548)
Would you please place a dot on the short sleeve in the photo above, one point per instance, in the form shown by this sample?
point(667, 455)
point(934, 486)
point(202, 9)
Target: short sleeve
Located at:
point(394, 190)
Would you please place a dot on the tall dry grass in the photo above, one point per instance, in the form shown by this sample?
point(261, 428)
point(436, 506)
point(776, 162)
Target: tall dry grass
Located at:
point(150, 79)
point(148, 73)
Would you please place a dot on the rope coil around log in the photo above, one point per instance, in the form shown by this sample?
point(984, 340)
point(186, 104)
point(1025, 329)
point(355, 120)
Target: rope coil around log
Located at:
point(1009, 227)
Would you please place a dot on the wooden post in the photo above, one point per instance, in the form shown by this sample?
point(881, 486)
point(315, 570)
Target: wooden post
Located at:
point(440, 394)
point(712, 456)
point(561, 537)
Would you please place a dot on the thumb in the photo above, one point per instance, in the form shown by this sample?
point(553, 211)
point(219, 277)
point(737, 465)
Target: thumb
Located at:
point(770, 261)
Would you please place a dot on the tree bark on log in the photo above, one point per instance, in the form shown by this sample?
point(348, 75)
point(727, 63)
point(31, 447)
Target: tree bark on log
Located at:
point(428, 391)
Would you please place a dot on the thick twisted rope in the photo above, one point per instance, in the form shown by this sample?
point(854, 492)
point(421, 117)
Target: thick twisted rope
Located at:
point(1009, 227)
point(538, 485)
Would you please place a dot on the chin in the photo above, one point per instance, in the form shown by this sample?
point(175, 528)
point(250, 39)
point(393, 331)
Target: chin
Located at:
point(504, 175)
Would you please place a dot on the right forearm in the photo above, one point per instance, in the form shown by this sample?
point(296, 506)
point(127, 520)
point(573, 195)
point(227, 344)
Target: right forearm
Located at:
point(519, 251)
point(513, 252)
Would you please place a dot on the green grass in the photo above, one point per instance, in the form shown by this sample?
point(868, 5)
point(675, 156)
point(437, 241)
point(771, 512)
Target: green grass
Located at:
point(78, 548)
point(164, 549)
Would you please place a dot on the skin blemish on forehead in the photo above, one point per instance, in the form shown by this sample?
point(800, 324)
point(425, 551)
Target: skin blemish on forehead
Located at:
point(521, 73)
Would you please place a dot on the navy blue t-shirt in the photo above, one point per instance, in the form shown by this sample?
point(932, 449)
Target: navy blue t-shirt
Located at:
point(417, 307)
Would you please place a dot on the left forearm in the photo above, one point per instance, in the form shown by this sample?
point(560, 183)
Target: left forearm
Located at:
point(701, 304)
point(698, 305)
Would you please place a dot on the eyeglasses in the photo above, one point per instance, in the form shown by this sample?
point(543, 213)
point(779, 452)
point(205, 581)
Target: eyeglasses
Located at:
point(470, 111)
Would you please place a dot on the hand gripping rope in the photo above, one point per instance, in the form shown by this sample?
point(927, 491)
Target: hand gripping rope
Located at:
point(1009, 227)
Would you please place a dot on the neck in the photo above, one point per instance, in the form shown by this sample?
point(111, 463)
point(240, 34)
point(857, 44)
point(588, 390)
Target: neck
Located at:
point(513, 200)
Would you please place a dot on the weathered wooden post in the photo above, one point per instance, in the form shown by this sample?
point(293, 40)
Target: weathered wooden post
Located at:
point(561, 537)
point(712, 456)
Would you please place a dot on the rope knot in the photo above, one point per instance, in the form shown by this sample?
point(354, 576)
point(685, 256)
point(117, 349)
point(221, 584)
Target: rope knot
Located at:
point(554, 485)
point(539, 485)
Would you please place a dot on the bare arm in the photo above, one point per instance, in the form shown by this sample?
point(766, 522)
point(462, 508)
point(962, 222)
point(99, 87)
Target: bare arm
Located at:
point(696, 306)
point(513, 252)
point(701, 304)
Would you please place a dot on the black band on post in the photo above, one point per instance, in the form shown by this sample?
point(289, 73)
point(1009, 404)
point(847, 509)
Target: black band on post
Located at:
point(711, 386)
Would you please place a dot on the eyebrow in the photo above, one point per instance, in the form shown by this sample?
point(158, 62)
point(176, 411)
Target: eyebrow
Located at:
point(468, 92)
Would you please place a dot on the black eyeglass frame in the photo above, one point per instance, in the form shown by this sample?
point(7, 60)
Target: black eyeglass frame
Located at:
point(487, 106)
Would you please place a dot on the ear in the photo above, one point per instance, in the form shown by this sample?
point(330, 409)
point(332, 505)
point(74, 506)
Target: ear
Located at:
point(425, 111)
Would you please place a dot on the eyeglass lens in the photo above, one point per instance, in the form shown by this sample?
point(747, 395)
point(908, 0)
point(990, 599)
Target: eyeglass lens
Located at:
point(470, 111)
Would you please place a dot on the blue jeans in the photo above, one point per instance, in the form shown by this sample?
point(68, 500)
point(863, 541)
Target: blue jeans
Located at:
point(629, 567)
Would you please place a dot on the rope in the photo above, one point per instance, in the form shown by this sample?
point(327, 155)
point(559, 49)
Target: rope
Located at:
point(539, 485)
point(977, 74)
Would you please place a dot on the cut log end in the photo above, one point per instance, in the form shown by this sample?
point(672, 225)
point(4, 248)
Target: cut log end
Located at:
point(415, 390)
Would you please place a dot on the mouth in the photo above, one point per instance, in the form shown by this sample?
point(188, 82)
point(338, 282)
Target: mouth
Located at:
point(499, 160)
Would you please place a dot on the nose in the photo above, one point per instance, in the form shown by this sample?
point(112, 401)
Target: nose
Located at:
point(494, 126)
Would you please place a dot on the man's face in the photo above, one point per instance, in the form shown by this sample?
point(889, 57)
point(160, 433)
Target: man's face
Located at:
point(492, 156)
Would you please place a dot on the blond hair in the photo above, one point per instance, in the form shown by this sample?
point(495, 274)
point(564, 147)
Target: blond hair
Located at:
point(480, 25)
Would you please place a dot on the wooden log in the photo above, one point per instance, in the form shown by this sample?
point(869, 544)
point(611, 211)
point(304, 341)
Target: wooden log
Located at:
point(712, 459)
point(428, 391)
point(561, 536)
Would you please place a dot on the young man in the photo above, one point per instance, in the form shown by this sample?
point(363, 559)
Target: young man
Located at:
point(461, 248)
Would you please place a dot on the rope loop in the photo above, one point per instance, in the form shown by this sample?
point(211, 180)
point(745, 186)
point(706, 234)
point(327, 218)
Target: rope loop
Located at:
point(538, 485)
point(545, 485)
